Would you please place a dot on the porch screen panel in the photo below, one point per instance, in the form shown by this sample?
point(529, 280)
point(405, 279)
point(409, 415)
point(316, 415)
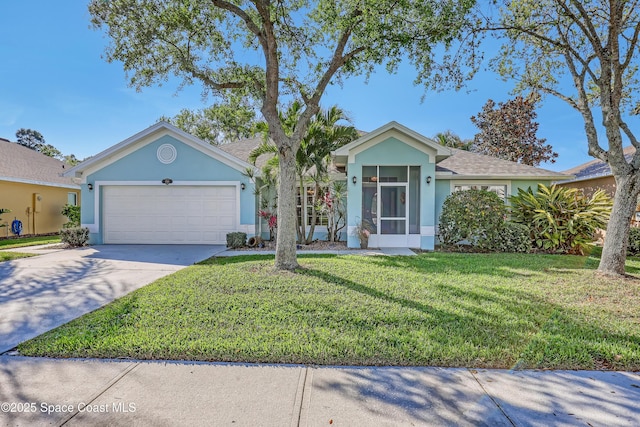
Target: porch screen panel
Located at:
point(414, 200)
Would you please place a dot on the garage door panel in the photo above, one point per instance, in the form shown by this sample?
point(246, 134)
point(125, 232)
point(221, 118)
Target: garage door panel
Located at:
point(169, 214)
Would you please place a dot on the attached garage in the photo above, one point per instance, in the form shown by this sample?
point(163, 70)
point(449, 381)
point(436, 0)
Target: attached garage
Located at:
point(164, 186)
point(169, 214)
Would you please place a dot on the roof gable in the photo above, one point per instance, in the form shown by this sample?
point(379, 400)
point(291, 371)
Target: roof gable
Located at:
point(391, 129)
point(22, 164)
point(147, 136)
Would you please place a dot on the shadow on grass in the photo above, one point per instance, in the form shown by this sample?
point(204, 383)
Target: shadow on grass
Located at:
point(547, 334)
point(506, 265)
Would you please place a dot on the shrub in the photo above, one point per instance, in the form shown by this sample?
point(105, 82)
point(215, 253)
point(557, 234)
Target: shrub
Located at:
point(561, 220)
point(3, 211)
point(236, 240)
point(473, 217)
point(75, 236)
point(73, 215)
point(513, 237)
point(634, 242)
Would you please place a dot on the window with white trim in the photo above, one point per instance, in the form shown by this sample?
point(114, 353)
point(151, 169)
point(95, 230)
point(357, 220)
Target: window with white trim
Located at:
point(305, 204)
point(500, 190)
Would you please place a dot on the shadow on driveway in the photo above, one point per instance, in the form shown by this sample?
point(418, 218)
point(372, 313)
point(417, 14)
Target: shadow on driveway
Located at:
point(40, 293)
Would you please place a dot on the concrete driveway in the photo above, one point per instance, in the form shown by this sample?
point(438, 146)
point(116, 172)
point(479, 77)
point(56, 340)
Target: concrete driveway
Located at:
point(40, 293)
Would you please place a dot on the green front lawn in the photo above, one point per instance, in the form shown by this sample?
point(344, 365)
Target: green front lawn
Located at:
point(8, 256)
point(21, 242)
point(438, 309)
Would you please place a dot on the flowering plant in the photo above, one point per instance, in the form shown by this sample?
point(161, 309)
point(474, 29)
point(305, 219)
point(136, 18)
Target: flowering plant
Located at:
point(272, 221)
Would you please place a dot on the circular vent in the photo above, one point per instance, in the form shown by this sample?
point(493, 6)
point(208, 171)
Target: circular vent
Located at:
point(167, 153)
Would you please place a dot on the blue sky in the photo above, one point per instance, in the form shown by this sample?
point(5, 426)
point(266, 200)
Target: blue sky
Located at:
point(53, 79)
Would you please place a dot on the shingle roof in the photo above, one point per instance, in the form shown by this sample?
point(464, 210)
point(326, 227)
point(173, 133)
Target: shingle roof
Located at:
point(243, 147)
point(466, 163)
point(597, 168)
point(21, 164)
point(461, 163)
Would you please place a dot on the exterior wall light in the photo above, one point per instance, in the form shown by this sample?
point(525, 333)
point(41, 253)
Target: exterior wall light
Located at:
point(90, 187)
point(242, 186)
point(354, 180)
point(429, 179)
point(167, 181)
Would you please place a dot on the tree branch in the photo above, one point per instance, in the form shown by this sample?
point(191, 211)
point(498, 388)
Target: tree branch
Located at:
point(244, 16)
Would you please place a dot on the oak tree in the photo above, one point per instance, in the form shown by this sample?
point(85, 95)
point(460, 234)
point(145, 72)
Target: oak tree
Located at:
point(220, 123)
point(278, 51)
point(586, 54)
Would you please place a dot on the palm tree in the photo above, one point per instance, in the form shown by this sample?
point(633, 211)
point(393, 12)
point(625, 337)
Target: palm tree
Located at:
point(450, 139)
point(312, 159)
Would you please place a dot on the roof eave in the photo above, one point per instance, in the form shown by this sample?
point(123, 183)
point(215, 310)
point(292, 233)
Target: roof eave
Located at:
point(450, 175)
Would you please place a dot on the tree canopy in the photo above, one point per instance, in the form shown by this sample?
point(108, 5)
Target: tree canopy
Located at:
point(219, 123)
point(34, 140)
point(508, 131)
point(278, 52)
point(449, 138)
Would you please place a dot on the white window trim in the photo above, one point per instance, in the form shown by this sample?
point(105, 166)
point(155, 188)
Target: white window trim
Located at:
point(75, 194)
point(304, 205)
point(453, 184)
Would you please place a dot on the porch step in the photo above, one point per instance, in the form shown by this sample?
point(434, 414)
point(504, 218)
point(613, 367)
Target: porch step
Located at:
point(397, 251)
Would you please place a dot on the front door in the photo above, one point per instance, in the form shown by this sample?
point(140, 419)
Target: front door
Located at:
point(391, 205)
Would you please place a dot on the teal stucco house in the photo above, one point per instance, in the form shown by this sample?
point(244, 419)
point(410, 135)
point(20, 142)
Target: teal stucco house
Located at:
point(164, 186)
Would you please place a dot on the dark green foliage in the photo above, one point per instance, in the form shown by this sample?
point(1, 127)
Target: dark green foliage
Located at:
point(73, 214)
point(561, 220)
point(3, 211)
point(512, 237)
point(472, 217)
point(75, 236)
point(236, 239)
point(634, 242)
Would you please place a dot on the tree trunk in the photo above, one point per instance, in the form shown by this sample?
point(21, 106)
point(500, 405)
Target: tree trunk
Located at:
point(300, 220)
point(314, 216)
point(614, 252)
point(286, 258)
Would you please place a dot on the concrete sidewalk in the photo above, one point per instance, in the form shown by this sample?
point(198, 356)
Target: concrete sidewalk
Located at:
point(39, 391)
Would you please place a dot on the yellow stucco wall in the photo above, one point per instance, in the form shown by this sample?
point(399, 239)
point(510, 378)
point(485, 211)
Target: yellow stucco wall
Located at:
point(18, 197)
point(589, 186)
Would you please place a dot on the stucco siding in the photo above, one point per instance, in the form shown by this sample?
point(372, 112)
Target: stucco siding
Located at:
point(19, 196)
point(143, 167)
point(590, 186)
point(391, 152)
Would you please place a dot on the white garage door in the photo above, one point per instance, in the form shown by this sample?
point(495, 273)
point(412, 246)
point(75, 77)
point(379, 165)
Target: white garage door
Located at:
point(168, 214)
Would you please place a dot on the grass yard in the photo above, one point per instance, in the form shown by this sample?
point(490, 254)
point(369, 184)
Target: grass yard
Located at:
point(8, 256)
point(436, 309)
point(21, 242)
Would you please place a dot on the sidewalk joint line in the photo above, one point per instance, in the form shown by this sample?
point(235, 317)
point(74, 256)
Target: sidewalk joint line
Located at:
point(110, 384)
point(495, 402)
point(302, 385)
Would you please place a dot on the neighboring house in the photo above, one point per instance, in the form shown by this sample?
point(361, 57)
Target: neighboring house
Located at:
point(166, 186)
point(33, 188)
point(594, 175)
